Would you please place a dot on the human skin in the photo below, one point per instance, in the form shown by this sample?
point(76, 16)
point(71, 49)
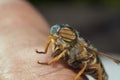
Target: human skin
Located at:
point(22, 30)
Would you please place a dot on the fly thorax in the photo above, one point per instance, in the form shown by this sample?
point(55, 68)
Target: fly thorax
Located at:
point(60, 42)
point(74, 52)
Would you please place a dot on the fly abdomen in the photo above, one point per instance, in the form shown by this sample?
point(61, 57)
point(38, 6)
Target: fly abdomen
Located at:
point(104, 75)
point(95, 73)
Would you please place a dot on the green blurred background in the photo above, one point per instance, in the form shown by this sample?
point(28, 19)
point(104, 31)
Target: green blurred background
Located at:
point(96, 20)
point(89, 2)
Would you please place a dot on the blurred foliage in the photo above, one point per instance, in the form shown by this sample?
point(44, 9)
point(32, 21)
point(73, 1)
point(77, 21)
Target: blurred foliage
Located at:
point(36, 1)
point(105, 2)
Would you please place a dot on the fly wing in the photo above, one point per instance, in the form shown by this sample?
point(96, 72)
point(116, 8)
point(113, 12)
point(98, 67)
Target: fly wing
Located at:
point(104, 54)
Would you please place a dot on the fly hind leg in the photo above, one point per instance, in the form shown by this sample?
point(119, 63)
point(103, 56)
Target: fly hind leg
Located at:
point(80, 72)
point(99, 70)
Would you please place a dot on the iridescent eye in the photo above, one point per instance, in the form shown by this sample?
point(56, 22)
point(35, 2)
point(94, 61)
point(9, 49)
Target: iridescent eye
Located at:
point(55, 29)
point(67, 34)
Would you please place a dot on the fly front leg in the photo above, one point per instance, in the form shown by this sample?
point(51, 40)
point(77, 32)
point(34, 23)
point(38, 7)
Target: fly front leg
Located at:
point(80, 72)
point(46, 49)
point(55, 59)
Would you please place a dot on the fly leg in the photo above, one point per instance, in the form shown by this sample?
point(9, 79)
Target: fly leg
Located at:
point(54, 59)
point(80, 72)
point(46, 48)
point(99, 70)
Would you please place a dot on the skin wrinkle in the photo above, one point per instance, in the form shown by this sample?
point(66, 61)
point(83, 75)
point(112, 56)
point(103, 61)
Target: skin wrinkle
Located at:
point(66, 73)
point(18, 69)
point(59, 67)
point(51, 72)
point(5, 69)
point(25, 68)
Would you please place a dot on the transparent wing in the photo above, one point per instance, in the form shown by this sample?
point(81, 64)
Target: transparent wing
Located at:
point(106, 55)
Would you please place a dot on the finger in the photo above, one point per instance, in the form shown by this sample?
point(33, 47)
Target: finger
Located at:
point(22, 31)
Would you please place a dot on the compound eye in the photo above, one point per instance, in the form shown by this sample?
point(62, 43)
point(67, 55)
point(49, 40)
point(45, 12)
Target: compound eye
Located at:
point(55, 29)
point(67, 34)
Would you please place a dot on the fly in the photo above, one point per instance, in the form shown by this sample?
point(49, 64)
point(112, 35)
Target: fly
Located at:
point(76, 52)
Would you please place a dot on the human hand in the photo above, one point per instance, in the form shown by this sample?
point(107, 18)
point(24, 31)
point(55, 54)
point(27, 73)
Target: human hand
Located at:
point(22, 30)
